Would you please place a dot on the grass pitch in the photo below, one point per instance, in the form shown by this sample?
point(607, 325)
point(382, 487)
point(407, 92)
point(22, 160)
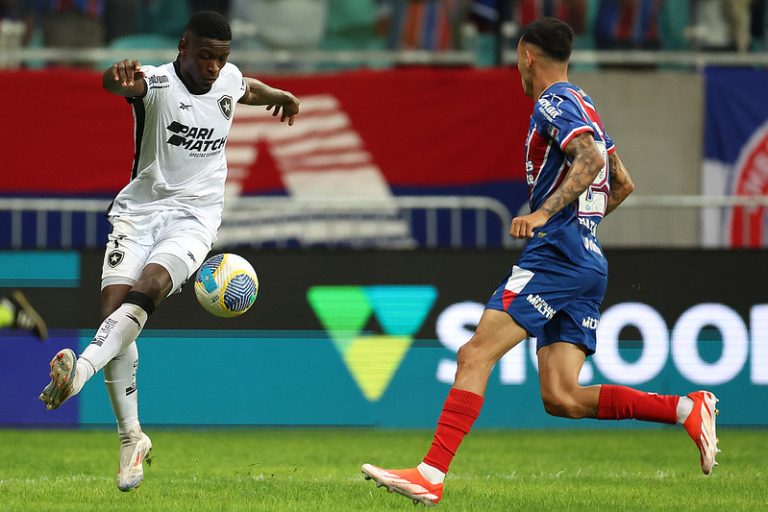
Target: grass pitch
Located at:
point(308, 470)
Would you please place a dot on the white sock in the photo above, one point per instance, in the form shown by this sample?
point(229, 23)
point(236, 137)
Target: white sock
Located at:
point(684, 408)
point(83, 374)
point(119, 330)
point(120, 379)
point(431, 473)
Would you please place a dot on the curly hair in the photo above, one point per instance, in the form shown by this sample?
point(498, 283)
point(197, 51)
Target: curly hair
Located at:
point(211, 25)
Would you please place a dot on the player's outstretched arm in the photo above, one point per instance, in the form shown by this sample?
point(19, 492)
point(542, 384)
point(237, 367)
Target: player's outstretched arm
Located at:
point(124, 78)
point(620, 181)
point(586, 165)
point(282, 103)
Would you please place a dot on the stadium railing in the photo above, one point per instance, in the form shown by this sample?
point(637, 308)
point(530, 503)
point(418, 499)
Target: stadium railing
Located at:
point(399, 222)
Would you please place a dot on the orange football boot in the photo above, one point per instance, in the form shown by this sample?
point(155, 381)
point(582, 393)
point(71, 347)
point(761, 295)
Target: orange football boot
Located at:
point(700, 425)
point(406, 482)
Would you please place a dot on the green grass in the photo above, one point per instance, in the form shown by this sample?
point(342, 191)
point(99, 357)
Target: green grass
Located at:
point(307, 470)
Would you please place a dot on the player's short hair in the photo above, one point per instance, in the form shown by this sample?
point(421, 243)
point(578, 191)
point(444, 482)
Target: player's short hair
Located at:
point(211, 25)
point(553, 36)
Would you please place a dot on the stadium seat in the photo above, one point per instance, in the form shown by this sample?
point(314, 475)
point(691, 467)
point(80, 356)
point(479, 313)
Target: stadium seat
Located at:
point(143, 41)
point(351, 25)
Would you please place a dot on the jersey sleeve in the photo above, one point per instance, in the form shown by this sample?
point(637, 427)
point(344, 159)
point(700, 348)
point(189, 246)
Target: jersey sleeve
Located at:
point(239, 80)
point(242, 90)
point(158, 83)
point(560, 119)
point(610, 146)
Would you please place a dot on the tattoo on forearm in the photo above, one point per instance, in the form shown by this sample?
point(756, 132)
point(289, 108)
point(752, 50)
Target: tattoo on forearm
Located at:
point(614, 201)
point(620, 182)
point(581, 175)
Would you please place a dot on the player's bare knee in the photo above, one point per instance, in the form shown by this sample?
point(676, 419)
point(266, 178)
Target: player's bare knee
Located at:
point(154, 287)
point(464, 355)
point(471, 356)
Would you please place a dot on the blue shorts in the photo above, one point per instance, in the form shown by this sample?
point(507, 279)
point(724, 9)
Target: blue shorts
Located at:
point(556, 301)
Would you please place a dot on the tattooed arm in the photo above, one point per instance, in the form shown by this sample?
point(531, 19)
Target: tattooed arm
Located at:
point(620, 180)
point(586, 165)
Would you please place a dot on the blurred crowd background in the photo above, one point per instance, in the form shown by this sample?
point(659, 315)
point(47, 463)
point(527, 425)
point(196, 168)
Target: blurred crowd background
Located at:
point(670, 63)
point(483, 26)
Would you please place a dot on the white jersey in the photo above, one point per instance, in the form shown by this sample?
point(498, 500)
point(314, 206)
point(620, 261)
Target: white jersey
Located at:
point(179, 161)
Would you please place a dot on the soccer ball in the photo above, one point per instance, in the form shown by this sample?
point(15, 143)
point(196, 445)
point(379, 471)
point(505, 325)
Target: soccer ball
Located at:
point(226, 285)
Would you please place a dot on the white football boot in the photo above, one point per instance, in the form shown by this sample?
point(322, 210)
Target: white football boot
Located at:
point(135, 448)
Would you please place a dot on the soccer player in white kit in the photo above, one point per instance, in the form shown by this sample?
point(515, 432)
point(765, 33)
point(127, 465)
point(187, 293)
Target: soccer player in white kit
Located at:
point(165, 220)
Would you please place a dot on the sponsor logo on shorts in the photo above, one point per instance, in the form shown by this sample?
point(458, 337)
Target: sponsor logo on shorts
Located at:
point(541, 306)
point(115, 258)
point(590, 323)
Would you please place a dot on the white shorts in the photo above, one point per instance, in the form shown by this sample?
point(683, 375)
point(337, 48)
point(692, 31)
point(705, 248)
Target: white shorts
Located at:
point(177, 242)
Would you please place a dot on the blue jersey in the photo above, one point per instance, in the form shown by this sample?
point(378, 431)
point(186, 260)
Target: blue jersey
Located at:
point(562, 112)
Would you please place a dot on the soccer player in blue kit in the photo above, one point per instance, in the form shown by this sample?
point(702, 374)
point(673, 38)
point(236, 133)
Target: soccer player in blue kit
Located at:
point(575, 178)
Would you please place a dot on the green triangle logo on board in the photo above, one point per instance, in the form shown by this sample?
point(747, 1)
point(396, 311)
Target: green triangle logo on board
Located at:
point(372, 359)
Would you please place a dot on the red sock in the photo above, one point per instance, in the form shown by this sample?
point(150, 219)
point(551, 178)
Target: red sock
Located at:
point(620, 402)
point(460, 411)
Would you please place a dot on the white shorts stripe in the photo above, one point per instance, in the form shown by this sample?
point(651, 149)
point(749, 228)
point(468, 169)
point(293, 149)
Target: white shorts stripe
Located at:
point(518, 279)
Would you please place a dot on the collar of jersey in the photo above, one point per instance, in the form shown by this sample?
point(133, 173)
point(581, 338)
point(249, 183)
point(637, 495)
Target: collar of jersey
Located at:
point(551, 86)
